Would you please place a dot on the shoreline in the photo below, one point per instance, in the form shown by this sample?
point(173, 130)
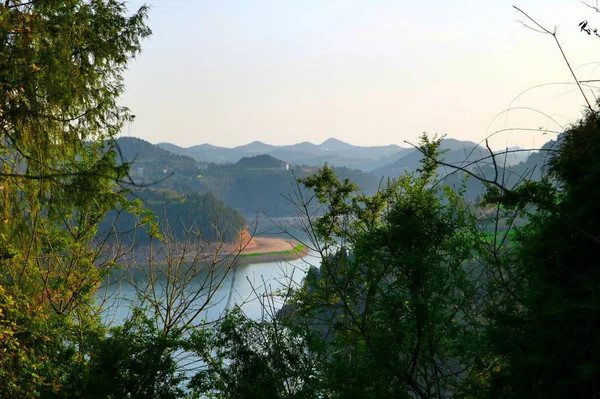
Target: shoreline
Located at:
point(271, 249)
point(249, 250)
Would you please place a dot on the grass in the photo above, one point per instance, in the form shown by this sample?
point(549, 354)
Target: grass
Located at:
point(490, 235)
point(296, 249)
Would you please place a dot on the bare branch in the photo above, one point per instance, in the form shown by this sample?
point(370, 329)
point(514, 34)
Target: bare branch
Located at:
point(554, 35)
point(529, 27)
point(595, 8)
point(504, 189)
point(532, 20)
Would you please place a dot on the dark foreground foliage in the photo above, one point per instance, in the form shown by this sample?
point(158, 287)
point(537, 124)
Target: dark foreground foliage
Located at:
point(418, 294)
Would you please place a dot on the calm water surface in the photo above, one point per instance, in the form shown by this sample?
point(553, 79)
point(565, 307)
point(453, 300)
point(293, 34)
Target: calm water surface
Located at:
point(258, 288)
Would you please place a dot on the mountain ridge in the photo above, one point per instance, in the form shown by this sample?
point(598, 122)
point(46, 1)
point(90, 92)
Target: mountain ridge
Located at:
point(340, 153)
point(386, 160)
point(260, 182)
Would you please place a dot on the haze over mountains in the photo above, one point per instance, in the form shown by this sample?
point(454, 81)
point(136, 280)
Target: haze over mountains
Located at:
point(259, 178)
point(333, 151)
point(382, 160)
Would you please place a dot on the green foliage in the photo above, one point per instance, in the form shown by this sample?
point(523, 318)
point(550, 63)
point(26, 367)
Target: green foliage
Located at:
point(135, 360)
point(61, 65)
point(336, 196)
point(546, 332)
point(260, 162)
point(19, 335)
point(255, 359)
point(391, 305)
point(181, 217)
point(204, 215)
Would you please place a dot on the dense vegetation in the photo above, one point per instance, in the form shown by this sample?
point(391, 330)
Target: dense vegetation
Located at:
point(263, 184)
point(154, 167)
point(258, 184)
point(419, 293)
point(200, 215)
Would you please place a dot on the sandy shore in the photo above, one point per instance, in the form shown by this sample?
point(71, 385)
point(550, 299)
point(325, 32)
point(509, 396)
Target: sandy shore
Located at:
point(270, 244)
point(247, 250)
point(271, 249)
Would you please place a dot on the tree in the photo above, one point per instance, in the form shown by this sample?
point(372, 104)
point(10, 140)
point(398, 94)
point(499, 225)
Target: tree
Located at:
point(61, 65)
point(393, 302)
point(136, 360)
point(547, 333)
point(255, 359)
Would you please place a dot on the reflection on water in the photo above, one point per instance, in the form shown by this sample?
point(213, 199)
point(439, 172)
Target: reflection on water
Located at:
point(251, 286)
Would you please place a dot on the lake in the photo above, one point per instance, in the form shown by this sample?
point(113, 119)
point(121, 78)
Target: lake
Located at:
point(258, 288)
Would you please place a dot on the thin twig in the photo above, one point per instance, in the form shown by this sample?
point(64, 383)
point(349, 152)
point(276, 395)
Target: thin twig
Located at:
point(595, 8)
point(553, 34)
point(504, 189)
point(529, 27)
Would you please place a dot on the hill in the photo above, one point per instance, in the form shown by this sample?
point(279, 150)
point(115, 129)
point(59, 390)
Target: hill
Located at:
point(260, 183)
point(332, 150)
point(261, 162)
point(151, 164)
point(171, 186)
point(254, 184)
point(457, 153)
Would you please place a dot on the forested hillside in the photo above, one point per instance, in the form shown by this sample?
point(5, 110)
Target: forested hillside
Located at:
point(333, 151)
point(416, 290)
point(264, 184)
point(258, 184)
point(184, 216)
point(153, 166)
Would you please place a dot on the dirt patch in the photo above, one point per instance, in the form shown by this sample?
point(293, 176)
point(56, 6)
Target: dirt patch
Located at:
point(246, 242)
point(254, 245)
point(270, 244)
point(248, 249)
point(266, 249)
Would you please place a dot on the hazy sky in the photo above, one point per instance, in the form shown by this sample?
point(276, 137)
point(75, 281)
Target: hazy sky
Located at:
point(367, 72)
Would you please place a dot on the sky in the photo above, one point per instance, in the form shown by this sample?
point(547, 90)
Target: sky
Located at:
point(368, 72)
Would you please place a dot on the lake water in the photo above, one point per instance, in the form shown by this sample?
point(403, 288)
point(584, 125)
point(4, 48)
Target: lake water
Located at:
point(253, 287)
point(258, 288)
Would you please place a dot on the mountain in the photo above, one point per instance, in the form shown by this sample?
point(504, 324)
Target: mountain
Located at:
point(333, 144)
point(514, 155)
point(211, 153)
point(257, 183)
point(160, 169)
point(303, 146)
point(465, 154)
point(454, 144)
point(292, 156)
point(332, 150)
point(175, 149)
point(171, 185)
point(459, 153)
point(256, 147)
point(261, 162)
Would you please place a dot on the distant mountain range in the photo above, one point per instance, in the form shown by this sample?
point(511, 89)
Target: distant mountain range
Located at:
point(464, 154)
point(333, 151)
point(255, 183)
point(387, 160)
point(251, 181)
